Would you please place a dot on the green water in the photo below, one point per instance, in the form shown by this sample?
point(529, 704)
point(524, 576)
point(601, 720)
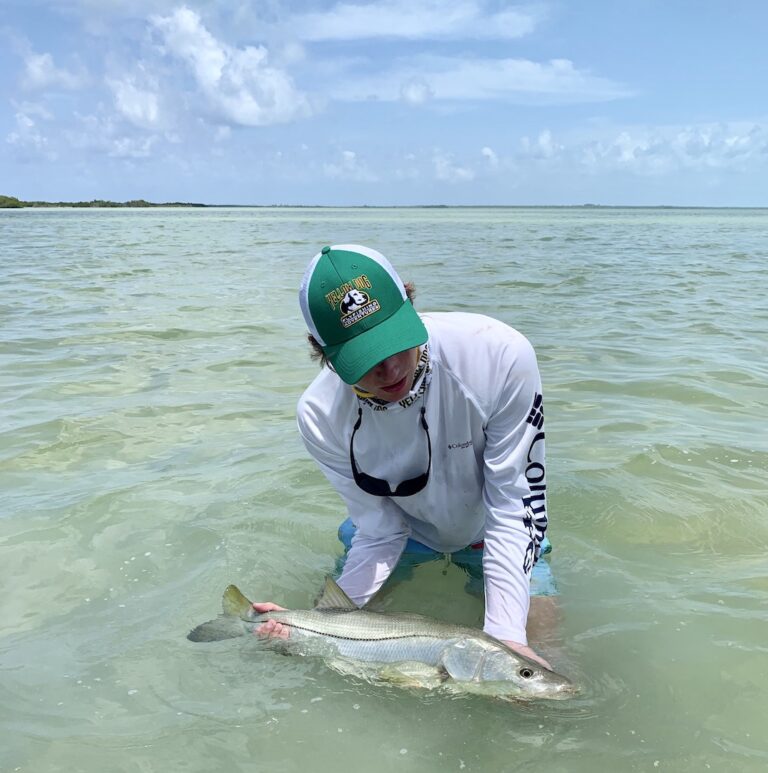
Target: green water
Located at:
point(149, 366)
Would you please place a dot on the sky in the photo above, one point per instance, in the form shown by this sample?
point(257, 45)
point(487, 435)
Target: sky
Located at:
point(386, 102)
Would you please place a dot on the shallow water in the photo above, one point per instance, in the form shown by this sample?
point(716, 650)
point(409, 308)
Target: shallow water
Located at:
point(149, 366)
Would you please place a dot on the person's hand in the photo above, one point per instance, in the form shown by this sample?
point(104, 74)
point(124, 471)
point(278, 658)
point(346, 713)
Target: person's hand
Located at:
point(525, 651)
point(270, 629)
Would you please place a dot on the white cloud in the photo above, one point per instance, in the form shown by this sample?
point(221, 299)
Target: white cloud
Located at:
point(140, 105)
point(89, 133)
point(543, 147)
point(40, 72)
point(490, 155)
point(654, 151)
point(453, 78)
point(132, 147)
point(103, 135)
point(34, 109)
point(416, 91)
point(239, 84)
point(416, 20)
point(349, 167)
point(27, 137)
point(447, 171)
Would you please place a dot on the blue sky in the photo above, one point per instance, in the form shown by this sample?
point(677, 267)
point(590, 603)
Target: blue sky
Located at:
point(389, 102)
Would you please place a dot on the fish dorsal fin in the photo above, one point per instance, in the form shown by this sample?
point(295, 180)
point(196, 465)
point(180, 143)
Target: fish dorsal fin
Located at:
point(333, 597)
point(378, 602)
point(235, 604)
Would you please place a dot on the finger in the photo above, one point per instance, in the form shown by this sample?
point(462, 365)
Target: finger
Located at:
point(282, 631)
point(527, 652)
point(531, 655)
point(265, 629)
point(266, 606)
point(271, 629)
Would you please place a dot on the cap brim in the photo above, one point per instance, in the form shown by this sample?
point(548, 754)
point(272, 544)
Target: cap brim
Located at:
point(354, 358)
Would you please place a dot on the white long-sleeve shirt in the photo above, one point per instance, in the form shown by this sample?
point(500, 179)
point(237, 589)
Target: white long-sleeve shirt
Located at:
point(487, 480)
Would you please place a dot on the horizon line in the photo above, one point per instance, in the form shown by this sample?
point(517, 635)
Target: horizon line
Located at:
point(144, 204)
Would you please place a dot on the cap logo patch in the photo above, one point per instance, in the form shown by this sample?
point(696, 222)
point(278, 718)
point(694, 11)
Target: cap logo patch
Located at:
point(357, 305)
point(339, 293)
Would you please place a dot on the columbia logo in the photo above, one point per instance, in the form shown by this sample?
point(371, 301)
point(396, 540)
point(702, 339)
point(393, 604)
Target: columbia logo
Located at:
point(536, 416)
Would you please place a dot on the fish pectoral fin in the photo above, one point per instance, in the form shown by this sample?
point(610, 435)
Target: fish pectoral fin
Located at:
point(222, 627)
point(333, 597)
point(412, 674)
point(463, 662)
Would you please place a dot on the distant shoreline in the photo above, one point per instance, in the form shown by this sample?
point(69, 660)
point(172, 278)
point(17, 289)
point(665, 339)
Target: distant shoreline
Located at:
point(11, 202)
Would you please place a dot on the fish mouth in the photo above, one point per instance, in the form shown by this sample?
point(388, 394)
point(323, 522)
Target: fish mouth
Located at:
point(561, 692)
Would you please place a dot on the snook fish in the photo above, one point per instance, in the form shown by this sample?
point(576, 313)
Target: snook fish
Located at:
point(405, 649)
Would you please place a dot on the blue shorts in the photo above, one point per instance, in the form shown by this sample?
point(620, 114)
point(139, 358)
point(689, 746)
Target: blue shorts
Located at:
point(470, 559)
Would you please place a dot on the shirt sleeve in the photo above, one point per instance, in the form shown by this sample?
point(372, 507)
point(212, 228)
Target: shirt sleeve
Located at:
point(381, 529)
point(514, 492)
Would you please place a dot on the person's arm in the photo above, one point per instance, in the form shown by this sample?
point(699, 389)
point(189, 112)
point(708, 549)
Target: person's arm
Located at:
point(514, 494)
point(381, 529)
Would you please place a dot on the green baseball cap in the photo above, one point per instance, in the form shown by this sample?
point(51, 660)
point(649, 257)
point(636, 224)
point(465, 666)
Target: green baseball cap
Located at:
point(355, 305)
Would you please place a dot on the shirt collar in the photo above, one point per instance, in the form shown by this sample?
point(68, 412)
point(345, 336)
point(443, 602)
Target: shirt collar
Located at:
point(421, 379)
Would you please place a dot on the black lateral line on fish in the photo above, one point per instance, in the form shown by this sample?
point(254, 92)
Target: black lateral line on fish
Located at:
point(360, 638)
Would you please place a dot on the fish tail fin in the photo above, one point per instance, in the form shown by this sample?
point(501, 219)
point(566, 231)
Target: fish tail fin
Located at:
point(221, 627)
point(237, 609)
point(235, 604)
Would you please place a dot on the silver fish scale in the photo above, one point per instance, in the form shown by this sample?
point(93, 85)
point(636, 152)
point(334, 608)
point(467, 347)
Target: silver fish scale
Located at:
point(371, 626)
point(368, 637)
point(424, 649)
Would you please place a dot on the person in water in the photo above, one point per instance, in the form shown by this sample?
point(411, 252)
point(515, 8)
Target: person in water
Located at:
point(431, 429)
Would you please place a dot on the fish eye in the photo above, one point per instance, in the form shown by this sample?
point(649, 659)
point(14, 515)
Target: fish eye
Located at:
point(526, 673)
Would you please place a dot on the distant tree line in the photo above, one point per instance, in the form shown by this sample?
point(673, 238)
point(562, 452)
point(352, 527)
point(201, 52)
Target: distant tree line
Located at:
point(11, 202)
